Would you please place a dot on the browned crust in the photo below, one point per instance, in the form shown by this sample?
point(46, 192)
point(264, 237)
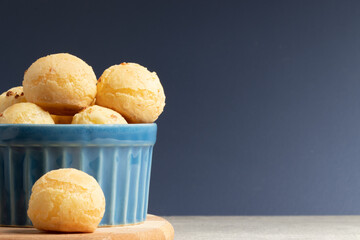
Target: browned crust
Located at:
point(61, 109)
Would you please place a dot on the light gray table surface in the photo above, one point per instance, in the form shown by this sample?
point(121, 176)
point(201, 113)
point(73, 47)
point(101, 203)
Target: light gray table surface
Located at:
point(266, 228)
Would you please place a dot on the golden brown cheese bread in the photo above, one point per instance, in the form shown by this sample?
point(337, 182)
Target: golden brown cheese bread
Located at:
point(10, 97)
point(133, 91)
point(25, 113)
point(58, 119)
point(98, 115)
point(60, 83)
point(66, 200)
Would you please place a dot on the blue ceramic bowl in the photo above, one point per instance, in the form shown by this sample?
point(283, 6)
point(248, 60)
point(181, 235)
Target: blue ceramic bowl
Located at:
point(117, 156)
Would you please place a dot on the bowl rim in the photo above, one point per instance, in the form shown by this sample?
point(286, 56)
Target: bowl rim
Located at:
point(30, 134)
point(32, 125)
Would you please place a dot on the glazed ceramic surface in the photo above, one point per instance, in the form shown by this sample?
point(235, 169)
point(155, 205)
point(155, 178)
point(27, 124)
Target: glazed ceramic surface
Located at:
point(118, 156)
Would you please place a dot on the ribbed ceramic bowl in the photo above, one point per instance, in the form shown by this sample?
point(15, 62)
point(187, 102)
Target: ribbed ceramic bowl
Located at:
point(118, 156)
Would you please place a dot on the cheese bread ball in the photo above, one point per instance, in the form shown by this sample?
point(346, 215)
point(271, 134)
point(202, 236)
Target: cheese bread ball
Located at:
point(98, 115)
point(25, 113)
point(133, 91)
point(60, 83)
point(66, 200)
point(10, 97)
point(58, 119)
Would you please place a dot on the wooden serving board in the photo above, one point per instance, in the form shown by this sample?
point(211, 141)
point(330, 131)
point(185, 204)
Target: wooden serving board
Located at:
point(154, 228)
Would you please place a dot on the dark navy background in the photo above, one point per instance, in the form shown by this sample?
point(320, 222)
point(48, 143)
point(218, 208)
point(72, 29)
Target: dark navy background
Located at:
point(263, 97)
